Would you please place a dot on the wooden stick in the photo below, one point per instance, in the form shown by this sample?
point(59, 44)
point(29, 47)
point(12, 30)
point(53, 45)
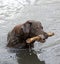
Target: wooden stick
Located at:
point(50, 34)
point(37, 38)
point(29, 40)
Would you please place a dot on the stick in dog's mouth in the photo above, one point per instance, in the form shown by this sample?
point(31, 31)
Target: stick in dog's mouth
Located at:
point(37, 38)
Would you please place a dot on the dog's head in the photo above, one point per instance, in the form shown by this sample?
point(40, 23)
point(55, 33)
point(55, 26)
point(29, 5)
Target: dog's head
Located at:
point(34, 28)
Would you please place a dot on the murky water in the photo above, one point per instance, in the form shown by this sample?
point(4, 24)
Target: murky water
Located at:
point(14, 12)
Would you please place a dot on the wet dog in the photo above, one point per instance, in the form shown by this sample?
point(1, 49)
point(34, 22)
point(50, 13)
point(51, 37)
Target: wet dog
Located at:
point(20, 33)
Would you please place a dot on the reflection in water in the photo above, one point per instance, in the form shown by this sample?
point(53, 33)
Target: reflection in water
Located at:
point(24, 57)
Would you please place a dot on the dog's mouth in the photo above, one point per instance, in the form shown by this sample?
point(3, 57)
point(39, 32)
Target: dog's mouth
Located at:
point(42, 40)
point(39, 38)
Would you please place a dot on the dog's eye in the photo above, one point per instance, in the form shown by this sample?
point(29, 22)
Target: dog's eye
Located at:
point(41, 27)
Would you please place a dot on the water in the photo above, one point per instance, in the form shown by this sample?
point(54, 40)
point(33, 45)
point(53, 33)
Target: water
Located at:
point(14, 12)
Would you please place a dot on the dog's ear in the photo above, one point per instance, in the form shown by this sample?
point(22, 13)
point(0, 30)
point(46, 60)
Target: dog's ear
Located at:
point(26, 27)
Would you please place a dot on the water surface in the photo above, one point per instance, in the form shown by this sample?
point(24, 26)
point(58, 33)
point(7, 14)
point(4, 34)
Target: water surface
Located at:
point(15, 12)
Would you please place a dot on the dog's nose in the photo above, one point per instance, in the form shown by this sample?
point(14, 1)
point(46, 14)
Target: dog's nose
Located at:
point(42, 37)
